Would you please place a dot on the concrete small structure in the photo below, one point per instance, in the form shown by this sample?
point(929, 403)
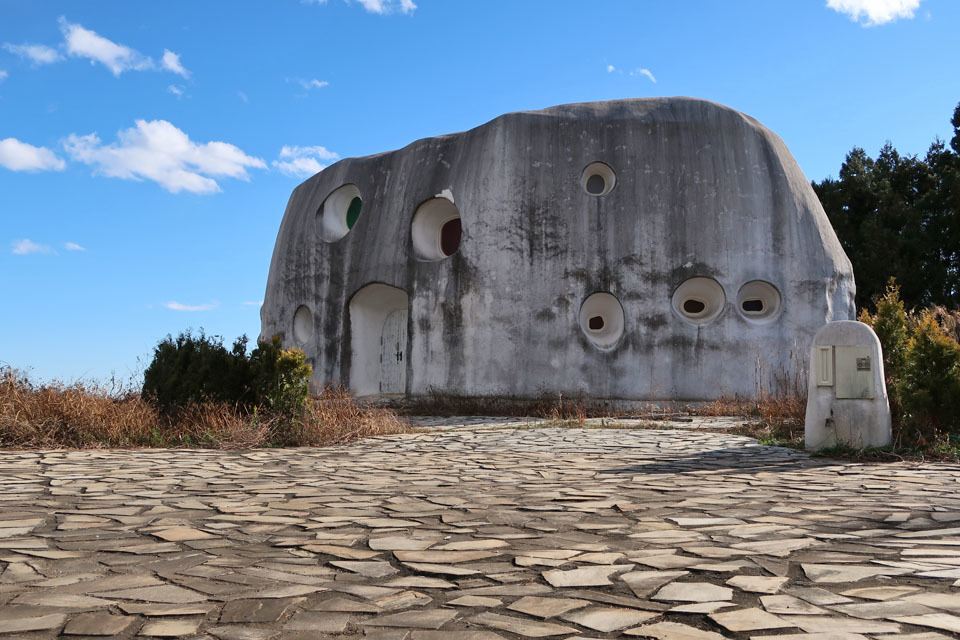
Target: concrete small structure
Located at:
point(649, 249)
point(847, 393)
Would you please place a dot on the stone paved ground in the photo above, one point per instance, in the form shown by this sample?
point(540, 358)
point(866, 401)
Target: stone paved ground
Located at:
point(478, 533)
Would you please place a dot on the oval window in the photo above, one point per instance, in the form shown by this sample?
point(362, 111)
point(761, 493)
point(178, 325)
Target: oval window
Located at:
point(450, 237)
point(699, 300)
point(602, 320)
point(598, 179)
point(436, 230)
point(694, 307)
point(339, 212)
point(758, 301)
point(353, 211)
point(596, 184)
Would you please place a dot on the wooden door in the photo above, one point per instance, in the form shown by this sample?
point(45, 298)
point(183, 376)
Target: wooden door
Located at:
point(393, 357)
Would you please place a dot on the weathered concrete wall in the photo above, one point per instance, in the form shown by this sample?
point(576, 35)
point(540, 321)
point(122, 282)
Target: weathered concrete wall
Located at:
point(700, 191)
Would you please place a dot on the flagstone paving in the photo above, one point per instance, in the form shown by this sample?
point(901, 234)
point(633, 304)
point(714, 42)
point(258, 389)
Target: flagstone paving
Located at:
point(479, 529)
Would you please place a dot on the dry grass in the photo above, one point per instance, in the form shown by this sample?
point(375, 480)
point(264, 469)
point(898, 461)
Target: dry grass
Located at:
point(78, 415)
point(90, 415)
point(334, 417)
point(781, 407)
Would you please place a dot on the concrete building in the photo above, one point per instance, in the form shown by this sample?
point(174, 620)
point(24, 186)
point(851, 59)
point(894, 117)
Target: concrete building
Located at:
point(665, 248)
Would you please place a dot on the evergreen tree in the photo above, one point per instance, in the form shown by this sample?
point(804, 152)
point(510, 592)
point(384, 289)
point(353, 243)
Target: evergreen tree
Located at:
point(899, 216)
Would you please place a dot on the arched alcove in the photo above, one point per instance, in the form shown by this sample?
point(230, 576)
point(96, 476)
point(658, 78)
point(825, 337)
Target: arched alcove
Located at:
point(303, 325)
point(378, 340)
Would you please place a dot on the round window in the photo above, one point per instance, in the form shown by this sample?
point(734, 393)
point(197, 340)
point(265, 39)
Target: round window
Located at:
point(436, 230)
point(598, 179)
point(699, 300)
point(339, 212)
point(601, 319)
point(758, 301)
point(694, 306)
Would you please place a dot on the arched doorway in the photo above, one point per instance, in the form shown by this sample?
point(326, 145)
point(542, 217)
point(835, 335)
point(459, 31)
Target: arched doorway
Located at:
point(378, 340)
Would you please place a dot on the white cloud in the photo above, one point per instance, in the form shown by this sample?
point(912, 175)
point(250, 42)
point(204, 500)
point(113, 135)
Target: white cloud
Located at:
point(176, 306)
point(175, 90)
point(387, 6)
point(258, 303)
point(171, 62)
point(312, 84)
point(644, 72)
point(118, 58)
point(83, 43)
point(871, 13)
point(36, 53)
point(3, 75)
point(243, 96)
point(27, 246)
point(377, 6)
point(20, 156)
point(611, 68)
point(159, 151)
point(73, 246)
point(303, 162)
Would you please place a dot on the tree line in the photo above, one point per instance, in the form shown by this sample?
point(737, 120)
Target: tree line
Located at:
point(898, 216)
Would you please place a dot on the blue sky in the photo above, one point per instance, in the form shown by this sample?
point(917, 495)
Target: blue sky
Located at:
point(147, 149)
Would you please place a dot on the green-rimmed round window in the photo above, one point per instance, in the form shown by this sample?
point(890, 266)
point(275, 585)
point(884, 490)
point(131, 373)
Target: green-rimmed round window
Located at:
point(353, 212)
point(339, 212)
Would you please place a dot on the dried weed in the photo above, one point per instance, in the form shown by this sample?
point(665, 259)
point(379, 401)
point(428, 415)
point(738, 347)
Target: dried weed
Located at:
point(85, 415)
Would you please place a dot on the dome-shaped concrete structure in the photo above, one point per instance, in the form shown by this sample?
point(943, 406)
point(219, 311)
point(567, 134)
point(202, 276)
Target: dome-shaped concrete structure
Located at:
point(665, 248)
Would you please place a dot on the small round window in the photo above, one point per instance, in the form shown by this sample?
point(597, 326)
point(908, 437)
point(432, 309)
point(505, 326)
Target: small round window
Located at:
point(758, 301)
point(699, 300)
point(694, 306)
point(598, 179)
point(339, 212)
point(436, 230)
point(601, 319)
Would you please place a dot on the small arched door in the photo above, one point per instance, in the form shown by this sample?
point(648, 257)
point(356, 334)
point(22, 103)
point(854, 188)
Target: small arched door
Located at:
point(393, 357)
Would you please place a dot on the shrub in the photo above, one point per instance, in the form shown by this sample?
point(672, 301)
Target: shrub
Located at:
point(196, 369)
point(929, 387)
point(280, 378)
point(891, 325)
